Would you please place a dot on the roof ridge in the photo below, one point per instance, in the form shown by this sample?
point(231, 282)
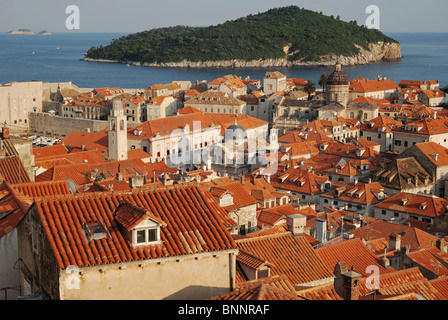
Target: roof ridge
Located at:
point(275, 235)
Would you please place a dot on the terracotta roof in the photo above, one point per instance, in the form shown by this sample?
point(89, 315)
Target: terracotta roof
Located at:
point(92, 141)
point(401, 282)
point(280, 281)
point(380, 124)
point(410, 236)
point(441, 285)
point(425, 127)
point(353, 252)
point(435, 206)
point(43, 189)
point(241, 197)
point(13, 171)
point(260, 292)
point(13, 208)
point(187, 110)
point(75, 172)
point(90, 156)
point(373, 85)
point(322, 292)
point(364, 193)
point(431, 259)
point(49, 151)
point(129, 215)
point(194, 224)
point(435, 153)
point(299, 180)
point(293, 257)
point(251, 261)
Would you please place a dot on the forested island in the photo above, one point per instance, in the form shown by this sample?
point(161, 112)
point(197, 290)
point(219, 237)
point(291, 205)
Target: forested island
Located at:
point(287, 36)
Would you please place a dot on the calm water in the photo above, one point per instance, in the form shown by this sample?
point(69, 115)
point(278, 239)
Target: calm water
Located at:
point(426, 58)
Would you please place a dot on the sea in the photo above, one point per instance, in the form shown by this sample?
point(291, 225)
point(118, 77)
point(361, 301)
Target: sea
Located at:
point(57, 58)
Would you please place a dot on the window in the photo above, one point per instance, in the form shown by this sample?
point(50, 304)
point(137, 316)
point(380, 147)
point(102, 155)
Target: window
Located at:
point(141, 236)
point(152, 235)
point(146, 236)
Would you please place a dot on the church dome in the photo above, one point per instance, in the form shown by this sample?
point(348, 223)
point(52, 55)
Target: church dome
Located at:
point(338, 77)
point(236, 131)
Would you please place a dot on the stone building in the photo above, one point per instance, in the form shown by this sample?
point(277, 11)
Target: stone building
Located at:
point(17, 100)
point(274, 82)
point(217, 102)
point(127, 247)
point(339, 103)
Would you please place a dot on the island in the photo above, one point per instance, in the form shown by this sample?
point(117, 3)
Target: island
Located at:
point(280, 37)
point(29, 32)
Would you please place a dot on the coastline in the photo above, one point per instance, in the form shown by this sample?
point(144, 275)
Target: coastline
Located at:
point(377, 52)
point(271, 63)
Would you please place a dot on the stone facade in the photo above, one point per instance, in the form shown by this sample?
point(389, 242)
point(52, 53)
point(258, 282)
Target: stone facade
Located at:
point(17, 100)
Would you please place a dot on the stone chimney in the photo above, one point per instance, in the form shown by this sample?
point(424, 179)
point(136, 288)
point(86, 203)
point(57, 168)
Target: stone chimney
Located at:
point(339, 269)
point(351, 283)
point(296, 224)
point(394, 242)
point(136, 182)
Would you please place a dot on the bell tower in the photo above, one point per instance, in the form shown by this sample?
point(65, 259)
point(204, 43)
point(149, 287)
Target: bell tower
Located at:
point(118, 133)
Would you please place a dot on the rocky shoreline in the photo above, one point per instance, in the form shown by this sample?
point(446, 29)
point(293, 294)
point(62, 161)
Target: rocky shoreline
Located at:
point(376, 53)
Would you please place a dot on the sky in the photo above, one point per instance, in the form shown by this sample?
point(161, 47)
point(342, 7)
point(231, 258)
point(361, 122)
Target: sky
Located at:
point(130, 16)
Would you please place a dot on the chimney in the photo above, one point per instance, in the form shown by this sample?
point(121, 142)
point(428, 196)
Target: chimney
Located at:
point(384, 261)
point(441, 245)
point(351, 282)
point(136, 182)
point(321, 230)
point(5, 133)
point(339, 269)
point(296, 224)
point(394, 242)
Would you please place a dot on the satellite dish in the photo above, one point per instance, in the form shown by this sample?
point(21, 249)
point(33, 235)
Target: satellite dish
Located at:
point(73, 187)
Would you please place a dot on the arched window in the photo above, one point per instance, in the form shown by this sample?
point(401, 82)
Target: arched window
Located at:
point(122, 125)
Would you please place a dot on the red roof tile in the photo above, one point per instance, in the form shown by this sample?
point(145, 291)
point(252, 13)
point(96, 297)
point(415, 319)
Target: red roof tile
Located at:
point(13, 171)
point(43, 189)
point(353, 252)
point(43, 152)
point(293, 257)
point(194, 224)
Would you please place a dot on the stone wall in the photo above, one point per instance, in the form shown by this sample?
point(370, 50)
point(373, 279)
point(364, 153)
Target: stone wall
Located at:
point(46, 124)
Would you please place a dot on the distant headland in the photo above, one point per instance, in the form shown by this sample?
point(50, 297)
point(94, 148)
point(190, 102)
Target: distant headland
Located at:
point(29, 32)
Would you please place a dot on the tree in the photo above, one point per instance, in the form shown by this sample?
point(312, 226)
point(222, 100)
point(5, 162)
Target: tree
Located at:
point(323, 80)
point(310, 88)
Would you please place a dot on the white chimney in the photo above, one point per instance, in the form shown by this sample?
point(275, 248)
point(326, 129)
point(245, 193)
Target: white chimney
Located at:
point(321, 230)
